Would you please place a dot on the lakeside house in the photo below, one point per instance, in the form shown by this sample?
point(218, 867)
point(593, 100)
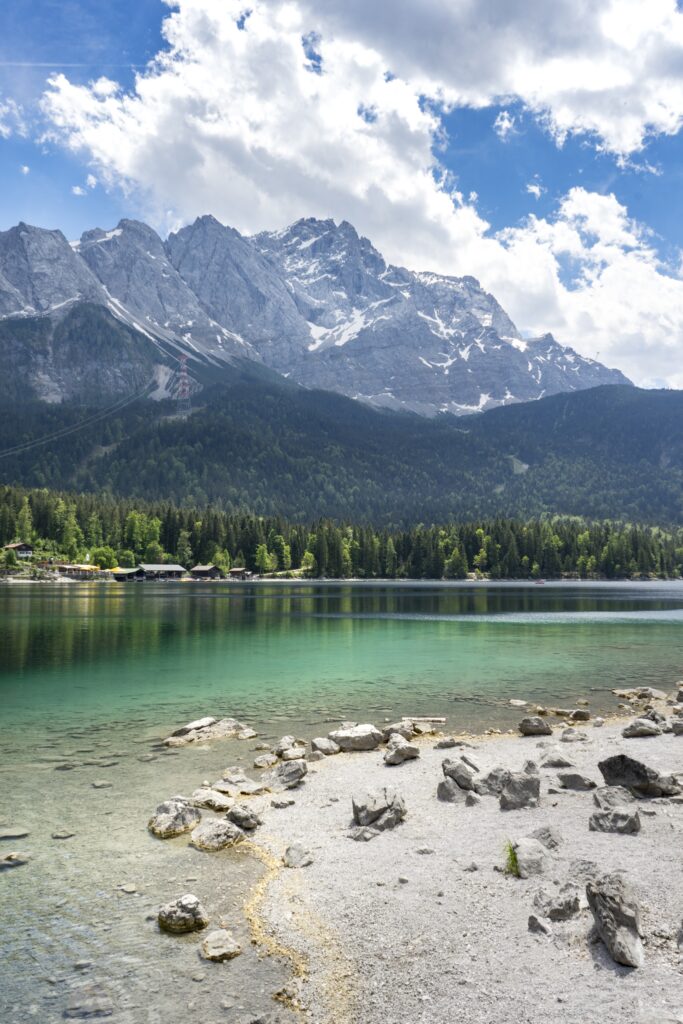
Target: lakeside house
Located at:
point(149, 571)
point(240, 573)
point(72, 570)
point(20, 548)
point(128, 575)
point(206, 572)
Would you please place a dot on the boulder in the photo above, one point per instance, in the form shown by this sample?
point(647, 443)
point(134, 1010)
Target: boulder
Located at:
point(538, 926)
point(244, 817)
point(220, 945)
point(449, 792)
point(358, 737)
point(622, 820)
point(459, 772)
point(548, 837)
point(580, 715)
point(531, 857)
point(608, 797)
point(554, 760)
point(641, 727)
point(265, 760)
point(616, 913)
point(294, 753)
point(211, 799)
point(493, 783)
point(325, 746)
point(399, 750)
point(446, 743)
point(216, 834)
point(559, 906)
point(571, 735)
point(381, 808)
point(425, 728)
point(209, 729)
point(534, 725)
point(622, 770)
point(297, 856)
point(315, 755)
point(286, 743)
point(172, 818)
point(287, 775)
point(403, 728)
point(677, 726)
point(574, 780)
point(186, 914)
point(471, 799)
point(520, 790)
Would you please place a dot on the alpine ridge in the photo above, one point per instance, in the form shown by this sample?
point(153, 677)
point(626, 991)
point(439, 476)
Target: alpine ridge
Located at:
point(315, 302)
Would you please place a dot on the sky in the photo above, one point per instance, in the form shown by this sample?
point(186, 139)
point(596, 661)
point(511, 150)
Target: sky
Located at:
point(535, 146)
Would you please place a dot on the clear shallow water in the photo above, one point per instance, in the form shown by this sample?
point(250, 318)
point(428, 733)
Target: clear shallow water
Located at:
point(95, 675)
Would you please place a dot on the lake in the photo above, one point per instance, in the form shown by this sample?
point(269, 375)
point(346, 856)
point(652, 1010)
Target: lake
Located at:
point(93, 676)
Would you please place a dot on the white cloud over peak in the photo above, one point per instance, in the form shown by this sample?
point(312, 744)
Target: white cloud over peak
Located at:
point(296, 112)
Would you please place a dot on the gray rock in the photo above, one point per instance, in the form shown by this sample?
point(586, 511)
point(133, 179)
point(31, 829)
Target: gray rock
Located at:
point(8, 833)
point(534, 725)
point(216, 835)
point(554, 760)
point(623, 820)
point(286, 743)
point(13, 860)
point(293, 753)
point(363, 833)
point(548, 837)
point(677, 726)
point(446, 743)
point(538, 926)
point(493, 783)
point(448, 791)
point(381, 808)
point(220, 945)
point(459, 772)
point(173, 818)
point(265, 760)
point(186, 914)
point(399, 750)
point(520, 790)
point(598, 722)
point(315, 755)
point(640, 693)
point(403, 728)
point(424, 728)
point(204, 729)
point(297, 856)
point(281, 802)
point(325, 746)
point(358, 737)
point(641, 727)
point(571, 735)
point(244, 817)
point(574, 780)
point(468, 761)
point(560, 906)
point(287, 775)
point(608, 797)
point(210, 799)
point(621, 770)
point(531, 856)
point(616, 913)
point(89, 1002)
point(472, 800)
point(580, 715)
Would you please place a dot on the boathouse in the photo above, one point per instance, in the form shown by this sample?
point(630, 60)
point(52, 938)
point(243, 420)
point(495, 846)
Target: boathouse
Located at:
point(162, 572)
point(239, 573)
point(128, 575)
point(206, 572)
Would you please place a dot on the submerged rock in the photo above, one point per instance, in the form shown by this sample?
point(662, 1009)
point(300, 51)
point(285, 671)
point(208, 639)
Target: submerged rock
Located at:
point(220, 945)
point(186, 914)
point(209, 729)
point(616, 913)
point(89, 1002)
point(173, 818)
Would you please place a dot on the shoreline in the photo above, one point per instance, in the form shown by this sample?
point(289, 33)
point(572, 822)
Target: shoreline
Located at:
point(408, 888)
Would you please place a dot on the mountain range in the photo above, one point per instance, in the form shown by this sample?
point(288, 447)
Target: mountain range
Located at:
point(109, 315)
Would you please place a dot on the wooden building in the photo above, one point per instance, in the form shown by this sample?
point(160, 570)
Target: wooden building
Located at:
point(206, 572)
point(20, 548)
point(128, 575)
point(153, 571)
point(240, 573)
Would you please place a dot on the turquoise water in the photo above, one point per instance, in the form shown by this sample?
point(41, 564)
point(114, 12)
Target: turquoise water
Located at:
point(309, 652)
point(93, 676)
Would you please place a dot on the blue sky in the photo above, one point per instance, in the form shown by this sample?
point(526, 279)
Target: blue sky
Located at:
point(536, 147)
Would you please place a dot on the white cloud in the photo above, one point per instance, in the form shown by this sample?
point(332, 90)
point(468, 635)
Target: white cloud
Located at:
point(91, 181)
point(504, 125)
point(534, 188)
point(11, 119)
point(25, 169)
point(76, 190)
point(257, 127)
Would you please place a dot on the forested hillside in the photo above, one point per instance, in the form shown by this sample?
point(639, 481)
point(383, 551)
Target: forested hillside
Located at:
point(112, 532)
point(277, 449)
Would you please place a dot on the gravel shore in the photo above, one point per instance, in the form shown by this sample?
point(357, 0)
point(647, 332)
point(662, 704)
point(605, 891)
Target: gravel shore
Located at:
point(422, 924)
